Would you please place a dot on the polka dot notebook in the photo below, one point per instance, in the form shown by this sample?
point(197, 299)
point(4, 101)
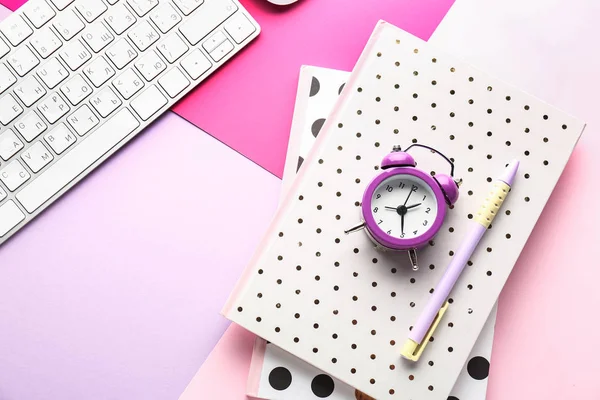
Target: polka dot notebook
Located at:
point(278, 375)
point(336, 302)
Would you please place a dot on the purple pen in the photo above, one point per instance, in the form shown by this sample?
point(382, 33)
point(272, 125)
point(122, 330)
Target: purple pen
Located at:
point(438, 304)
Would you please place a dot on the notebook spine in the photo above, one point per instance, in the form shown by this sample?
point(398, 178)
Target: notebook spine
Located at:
point(326, 131)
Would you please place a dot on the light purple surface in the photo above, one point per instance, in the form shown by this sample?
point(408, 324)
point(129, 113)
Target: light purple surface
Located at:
point(114, 292)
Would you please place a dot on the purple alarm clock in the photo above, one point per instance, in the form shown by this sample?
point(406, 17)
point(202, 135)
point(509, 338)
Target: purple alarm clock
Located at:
point(404, 207)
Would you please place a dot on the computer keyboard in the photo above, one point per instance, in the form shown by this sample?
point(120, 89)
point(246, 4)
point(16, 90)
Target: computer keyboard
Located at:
point(80, 78)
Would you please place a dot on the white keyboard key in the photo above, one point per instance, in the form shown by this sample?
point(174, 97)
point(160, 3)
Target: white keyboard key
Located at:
point(91, 9)
point(52, 73)
point(150, 65)
point(74, 54)
point(149, 102)
point(220, 52)
point(15, 29)
point(10, 216)
point(76, 89)
point(173, 82)
point(128, 84)
point(172, 48)
point(239, 27)
point(60, 138)
point(187, 6)
point(23, 60)
point(38, 13)
point(4, 49)
point(112, 2)
point(45, 42)
point(99, 71)
point(9, 109)
point(105, 102)
point(61, 4)
point(10, 144)
point(3, 194)
point(30, 126)
point(29, 90)
point(119, 18)
point(14, 175)
point(214, 41)
point(77, 160)
point(143, 35)
point(121, 53)
point(7, 79)
point(97, 36)
point(165, 17)
point(141, 7)
point(196, 64)
point(196, 27)
point(53, 108)
point(83, 120)
point(68, 24)
point(37, 157)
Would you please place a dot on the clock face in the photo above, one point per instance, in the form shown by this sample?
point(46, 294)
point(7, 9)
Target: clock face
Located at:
point(404, 206)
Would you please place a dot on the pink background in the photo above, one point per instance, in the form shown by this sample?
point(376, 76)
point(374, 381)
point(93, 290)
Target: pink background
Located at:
point(120, 298)
point(260, 86)
point(544, 346)
point(12, 4)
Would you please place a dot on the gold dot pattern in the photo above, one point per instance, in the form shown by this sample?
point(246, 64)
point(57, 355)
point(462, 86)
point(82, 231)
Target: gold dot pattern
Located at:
point(459, 123)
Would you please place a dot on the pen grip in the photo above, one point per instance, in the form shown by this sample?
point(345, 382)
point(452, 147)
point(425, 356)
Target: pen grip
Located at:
point(493, 201)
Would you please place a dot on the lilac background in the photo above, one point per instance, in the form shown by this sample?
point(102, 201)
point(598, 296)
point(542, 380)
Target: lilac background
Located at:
point(114, 292)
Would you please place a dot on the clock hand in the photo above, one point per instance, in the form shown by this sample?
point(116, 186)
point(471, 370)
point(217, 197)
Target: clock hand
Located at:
point(402, 222)
point(408, 197)
point(408, 207)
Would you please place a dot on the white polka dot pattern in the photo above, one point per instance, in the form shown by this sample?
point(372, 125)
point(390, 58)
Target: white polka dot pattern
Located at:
point(324, 296)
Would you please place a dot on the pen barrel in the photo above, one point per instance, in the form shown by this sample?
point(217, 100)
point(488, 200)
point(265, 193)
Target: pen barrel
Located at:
point(486, 214)
point(444, 287)
point(493, 201)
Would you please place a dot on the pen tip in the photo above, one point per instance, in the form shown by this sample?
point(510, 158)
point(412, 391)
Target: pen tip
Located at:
point(508, 176)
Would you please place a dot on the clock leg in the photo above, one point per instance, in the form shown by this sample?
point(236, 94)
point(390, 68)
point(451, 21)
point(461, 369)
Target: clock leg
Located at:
point(412, 255)
point(355, 228)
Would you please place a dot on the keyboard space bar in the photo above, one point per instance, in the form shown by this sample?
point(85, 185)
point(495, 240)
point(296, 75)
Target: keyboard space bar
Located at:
point(75, 162)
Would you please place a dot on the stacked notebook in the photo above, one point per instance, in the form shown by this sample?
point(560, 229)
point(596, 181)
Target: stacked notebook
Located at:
point(276, 374)
point(344, 308)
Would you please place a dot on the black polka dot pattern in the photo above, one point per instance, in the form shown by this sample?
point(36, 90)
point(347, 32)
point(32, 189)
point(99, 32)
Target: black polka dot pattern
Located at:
point(478, 368)
point(316, 126)
point(280, 378)
point(452, 398)
point(315, 86)
point(322, 386)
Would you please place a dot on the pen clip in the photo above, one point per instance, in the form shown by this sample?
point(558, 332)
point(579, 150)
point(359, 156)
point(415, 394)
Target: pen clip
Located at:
point(411, 350)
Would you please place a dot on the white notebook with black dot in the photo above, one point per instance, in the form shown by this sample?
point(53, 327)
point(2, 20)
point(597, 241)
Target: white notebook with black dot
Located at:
point(355, 312)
